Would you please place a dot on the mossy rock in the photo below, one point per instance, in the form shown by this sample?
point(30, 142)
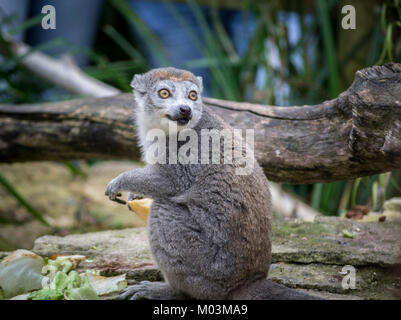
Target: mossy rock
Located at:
point(306, 255)
point(324, 241)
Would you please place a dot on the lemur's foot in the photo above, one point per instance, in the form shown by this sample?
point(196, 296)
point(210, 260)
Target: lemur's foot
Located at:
point(131, 197)
point(147, 290)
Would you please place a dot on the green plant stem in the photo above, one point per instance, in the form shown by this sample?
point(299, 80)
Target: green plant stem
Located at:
point(329, 47)
point(10, 189)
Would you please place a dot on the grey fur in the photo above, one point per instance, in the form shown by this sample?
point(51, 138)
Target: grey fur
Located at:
point(209, 229)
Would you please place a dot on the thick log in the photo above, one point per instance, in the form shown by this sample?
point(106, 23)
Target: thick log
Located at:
point(356, 134)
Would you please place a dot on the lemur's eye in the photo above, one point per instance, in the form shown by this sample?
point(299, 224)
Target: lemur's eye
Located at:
point(164, 93)
point(193, 95)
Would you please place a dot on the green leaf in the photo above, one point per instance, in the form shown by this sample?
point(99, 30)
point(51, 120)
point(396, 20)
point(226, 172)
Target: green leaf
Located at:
point(355, 191)
point(388, 42)
point(317, 195)
point(46, 294)
point(375, 188)
point(26, 24)
point(74, 279)
point(74, 169)
point(11, 190)
point(79, 289)
point(84, 293)
point(348, 234)
point(329, 47)
point(123, 43)
point(383, 17)
point(147, 35)
point(60, 281)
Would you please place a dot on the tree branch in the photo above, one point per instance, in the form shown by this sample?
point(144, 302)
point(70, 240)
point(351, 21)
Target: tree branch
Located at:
point(356, 134)
point(63, 73)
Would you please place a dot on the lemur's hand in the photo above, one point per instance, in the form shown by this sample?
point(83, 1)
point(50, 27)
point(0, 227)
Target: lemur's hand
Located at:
point(132, 196)
point(113, 190)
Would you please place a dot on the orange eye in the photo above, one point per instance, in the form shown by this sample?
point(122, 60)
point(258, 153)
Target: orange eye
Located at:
point(193, 95)
point(164, 93)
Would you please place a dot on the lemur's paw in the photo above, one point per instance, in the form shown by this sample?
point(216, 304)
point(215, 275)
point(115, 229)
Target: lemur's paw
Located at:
point(147, 290)
point(113, 190)
point(131, 197)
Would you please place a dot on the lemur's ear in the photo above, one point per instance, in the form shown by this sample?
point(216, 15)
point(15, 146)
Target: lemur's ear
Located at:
point(200, 83)
point(138, 83)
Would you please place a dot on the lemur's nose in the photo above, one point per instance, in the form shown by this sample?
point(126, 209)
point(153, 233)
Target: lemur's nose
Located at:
point(185, 111)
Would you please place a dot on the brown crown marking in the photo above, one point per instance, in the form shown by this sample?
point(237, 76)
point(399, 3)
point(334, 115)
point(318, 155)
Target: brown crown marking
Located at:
point(167, 75)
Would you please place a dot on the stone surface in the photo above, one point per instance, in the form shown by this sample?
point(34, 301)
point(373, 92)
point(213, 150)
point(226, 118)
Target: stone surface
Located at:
point(323, 279)
point(306, 255)
point(392, 209)
point(393, 204)
point(323, 241)
point(112, 252)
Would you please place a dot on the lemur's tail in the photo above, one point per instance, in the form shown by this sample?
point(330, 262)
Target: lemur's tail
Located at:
point(264, 289)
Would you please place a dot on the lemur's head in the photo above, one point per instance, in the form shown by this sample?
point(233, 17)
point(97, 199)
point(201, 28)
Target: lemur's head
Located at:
point(168, 95)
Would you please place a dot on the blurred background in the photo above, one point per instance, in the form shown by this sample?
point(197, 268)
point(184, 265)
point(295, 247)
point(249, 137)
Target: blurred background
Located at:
point(270, 52)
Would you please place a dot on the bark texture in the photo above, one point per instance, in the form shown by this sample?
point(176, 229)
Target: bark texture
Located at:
point(356, 134)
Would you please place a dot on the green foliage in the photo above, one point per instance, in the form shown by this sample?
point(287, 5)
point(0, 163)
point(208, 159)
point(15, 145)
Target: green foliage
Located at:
point(151, 40)
point(323, 16)
point(11, 190)
point(390, 23)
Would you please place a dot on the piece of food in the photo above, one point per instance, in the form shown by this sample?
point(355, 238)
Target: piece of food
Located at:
point(44, 294)
point(79, 288)
point(63, 263)
point(71, 286)
point(53, 278)
point(348, 234)
point(106, 285)
point(141, 207)
point(20, 272)
point(21, 297)
point(82, 293)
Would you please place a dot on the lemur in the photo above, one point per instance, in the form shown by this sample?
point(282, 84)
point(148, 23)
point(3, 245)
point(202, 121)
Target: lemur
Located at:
point(209, 227)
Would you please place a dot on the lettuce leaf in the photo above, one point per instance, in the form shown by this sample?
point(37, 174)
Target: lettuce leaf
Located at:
point(46, 294)
point(54, 278)
point(71, 286)
point(83, 292)
point(61, 263)
point(106, 285)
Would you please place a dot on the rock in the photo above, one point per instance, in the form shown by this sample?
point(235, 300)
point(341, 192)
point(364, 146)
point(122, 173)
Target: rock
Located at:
point(306, 255)
point(371, 282)
point(374, 243)
point(392, 209)
point(394, 204)
point(113, 252)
